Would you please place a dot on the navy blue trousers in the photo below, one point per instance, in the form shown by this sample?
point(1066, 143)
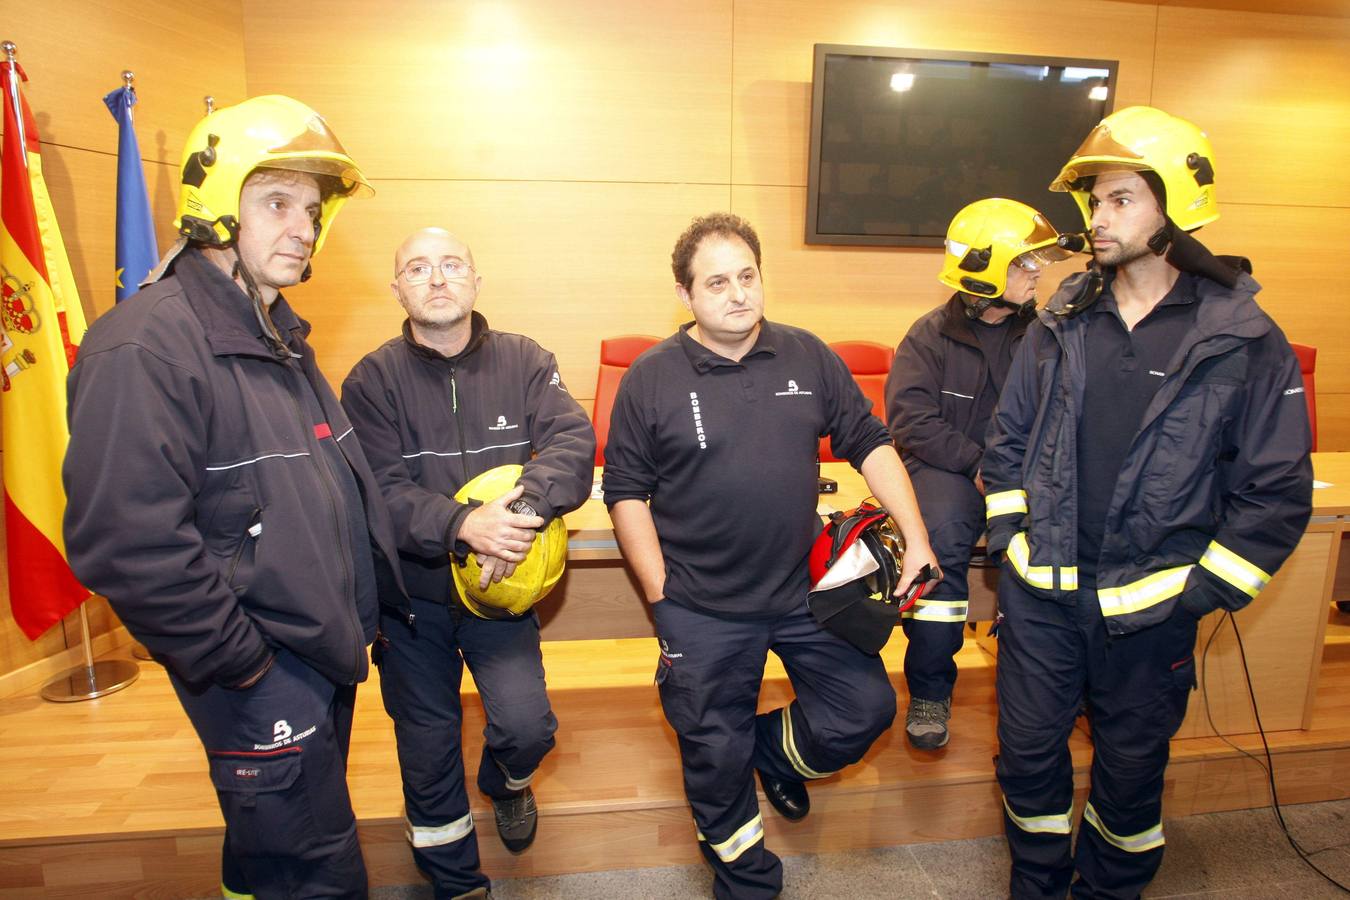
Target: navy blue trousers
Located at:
point(278, 758)
point(420, 673)
point(953, 511)
point(709, 675)
point(1051, 658)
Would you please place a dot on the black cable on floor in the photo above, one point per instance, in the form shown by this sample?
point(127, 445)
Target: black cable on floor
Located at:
point(1269, 765)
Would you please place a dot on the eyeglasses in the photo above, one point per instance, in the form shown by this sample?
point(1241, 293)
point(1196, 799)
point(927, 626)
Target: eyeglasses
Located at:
point(451, 270)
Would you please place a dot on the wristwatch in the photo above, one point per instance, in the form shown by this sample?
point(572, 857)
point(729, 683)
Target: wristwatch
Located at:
point(522, 508)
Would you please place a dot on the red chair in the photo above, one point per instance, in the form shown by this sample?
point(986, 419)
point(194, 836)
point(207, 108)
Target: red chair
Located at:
point(1307, 364)
point(616, 355)
point(870, 364)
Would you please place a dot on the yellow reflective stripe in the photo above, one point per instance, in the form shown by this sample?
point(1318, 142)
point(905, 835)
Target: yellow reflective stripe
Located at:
point(1060, 824)
point(790, 750)
point(1234, 569)
point(745, 837)
point(946, 610)
point(1043, 577)
point(439, 835)
point(227, 894)
point(1147, 591)
point(1005, 503)
point(1148, 839)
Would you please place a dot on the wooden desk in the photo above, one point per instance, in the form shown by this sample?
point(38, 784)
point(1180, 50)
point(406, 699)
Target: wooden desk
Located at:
point(1283, 630)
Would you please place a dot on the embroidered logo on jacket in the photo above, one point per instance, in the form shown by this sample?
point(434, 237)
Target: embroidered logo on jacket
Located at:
point(501, 425)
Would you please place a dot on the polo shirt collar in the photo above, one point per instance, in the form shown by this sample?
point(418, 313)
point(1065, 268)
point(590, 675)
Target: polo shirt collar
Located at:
point(703, 359)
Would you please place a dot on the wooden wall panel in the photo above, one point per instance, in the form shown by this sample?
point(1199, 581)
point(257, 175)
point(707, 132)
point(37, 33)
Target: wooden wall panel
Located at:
point(845, 293)
point(74, 52)
point(1270, 90)
point(773, 59)
point(565, 263)
point(595, 90)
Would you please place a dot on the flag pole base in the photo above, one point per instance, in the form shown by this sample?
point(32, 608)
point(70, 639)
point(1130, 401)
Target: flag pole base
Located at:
point(87, 682)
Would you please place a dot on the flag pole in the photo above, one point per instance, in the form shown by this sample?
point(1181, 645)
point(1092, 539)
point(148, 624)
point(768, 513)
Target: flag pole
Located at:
point(93, 679)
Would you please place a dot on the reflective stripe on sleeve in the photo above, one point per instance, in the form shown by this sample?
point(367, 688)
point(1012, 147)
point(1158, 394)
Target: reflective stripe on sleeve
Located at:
point(1235, 570)
point(791, 752)
point(1005, 503)
point(1147, 591)
point(1043, 577)
point(1053, 824)
point(945, 610)
point(227, 894)
point(746, 836)
point(1146, 840)
point(439, 835)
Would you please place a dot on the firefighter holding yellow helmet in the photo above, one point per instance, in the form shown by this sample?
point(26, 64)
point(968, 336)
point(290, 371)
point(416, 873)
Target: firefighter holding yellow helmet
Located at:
point(1148, 464)
point(479, 450)
point(219, 502)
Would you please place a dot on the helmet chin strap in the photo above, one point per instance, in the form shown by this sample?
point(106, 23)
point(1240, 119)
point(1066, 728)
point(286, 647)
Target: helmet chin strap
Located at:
point(270, 332)
point(981, 304)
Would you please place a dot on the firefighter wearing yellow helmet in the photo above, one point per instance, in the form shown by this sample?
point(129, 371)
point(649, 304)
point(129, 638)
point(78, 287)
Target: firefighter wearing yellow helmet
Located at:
point(1147, 465)
point(220, 503)
point(941, 390)
point(517, 593)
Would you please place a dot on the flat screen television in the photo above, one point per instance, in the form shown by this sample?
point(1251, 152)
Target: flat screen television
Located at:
point(902, 139)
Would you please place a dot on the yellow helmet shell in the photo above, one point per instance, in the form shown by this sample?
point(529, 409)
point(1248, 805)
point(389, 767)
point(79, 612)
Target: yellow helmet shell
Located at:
point(532, 580)
point(1142, 138)
point(269, 132)
point(986, 236)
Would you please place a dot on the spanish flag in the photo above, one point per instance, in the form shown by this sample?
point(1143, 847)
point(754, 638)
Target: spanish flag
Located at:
point(43, 324)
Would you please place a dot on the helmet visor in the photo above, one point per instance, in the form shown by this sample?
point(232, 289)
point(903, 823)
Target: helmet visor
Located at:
point(348, 178)
point(1035, 260)
point(1099, 153)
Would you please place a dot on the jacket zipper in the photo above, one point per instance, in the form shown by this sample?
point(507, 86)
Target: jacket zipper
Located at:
point(342, 541)
point(255, 518)
point(459, 427)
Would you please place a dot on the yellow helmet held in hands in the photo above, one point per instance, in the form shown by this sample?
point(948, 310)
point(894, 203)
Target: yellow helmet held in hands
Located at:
point(532, 580)
point(989, 235)
point(268, 132)
point(1141, 138)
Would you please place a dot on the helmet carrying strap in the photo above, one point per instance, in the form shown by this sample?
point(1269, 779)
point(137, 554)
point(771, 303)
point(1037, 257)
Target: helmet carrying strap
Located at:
point(270, 332)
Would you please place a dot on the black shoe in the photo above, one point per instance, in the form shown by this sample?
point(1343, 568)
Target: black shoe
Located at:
point(788, 797)
point(517, 820)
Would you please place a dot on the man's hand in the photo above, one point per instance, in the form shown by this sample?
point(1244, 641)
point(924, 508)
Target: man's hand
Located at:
point(494, 569)
point(493, 530)
point(979, 484)
point(916, 557)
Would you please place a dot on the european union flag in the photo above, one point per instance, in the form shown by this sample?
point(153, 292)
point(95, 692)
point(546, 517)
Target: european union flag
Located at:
point(137, 252)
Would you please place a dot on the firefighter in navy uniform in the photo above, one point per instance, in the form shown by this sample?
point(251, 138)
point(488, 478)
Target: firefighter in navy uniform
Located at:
point(219, 501)
point(941, 391)
point(717, 428)
point(444, 405)
point(1148, 464)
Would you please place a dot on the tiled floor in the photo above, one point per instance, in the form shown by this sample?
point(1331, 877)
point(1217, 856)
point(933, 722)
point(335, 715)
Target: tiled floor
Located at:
point(1235, 856)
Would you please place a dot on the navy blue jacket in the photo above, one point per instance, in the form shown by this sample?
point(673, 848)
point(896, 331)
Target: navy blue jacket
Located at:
point(1214, 492)
point(934, 387)
point(201, 502)
point(430, 423)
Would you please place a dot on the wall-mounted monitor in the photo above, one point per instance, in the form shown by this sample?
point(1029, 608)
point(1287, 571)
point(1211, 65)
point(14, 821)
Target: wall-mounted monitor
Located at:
point(902, 139)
